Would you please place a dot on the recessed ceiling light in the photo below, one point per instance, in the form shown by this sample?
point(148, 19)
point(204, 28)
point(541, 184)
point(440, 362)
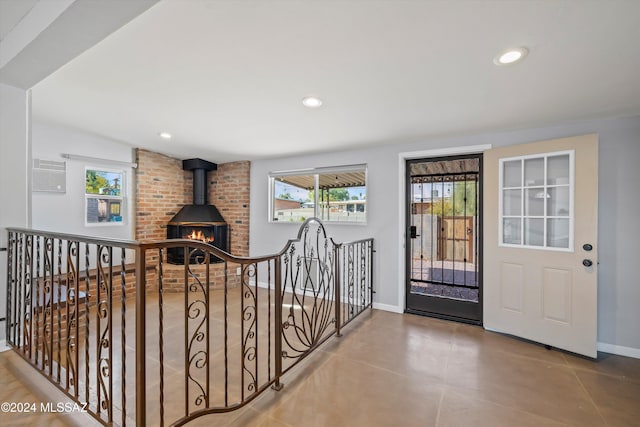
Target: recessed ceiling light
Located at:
point(311, 102)
point(510, 56)
point(165, 135)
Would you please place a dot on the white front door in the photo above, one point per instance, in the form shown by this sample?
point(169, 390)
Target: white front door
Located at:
point(540, 242)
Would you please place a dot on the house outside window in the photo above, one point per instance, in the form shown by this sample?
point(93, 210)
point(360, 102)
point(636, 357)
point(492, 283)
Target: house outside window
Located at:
point(104, 197)
point(334, 194)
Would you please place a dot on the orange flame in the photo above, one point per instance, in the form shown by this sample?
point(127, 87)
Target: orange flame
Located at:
point(199, 235)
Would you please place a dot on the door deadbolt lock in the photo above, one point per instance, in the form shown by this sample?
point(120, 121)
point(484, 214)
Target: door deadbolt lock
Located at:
point(587, 262)
point(587, 247)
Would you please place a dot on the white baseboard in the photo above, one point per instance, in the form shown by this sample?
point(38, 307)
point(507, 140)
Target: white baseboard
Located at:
point(388, 307)
point(3, 346)
point(619, 350)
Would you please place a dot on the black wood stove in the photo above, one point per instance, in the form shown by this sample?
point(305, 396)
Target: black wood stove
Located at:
point(199, 221)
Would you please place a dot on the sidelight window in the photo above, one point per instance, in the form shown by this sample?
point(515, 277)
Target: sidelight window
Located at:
point(536, 201)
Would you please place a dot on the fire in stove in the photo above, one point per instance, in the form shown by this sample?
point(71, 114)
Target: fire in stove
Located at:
point(199, 235)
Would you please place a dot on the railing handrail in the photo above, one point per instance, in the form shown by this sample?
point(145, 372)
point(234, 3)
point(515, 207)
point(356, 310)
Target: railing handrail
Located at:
point(121, 243)
point(197, 244)
point(351, 242)
point(172, 243)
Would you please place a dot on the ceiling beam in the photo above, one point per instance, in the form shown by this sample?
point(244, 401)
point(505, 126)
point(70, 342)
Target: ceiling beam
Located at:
point(55, 32)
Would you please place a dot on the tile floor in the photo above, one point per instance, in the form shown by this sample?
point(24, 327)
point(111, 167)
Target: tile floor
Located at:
point(405, 370)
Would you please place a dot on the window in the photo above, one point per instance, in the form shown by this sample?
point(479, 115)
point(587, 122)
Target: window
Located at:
point(104, 198)
point(536, 201)
point(336, 194)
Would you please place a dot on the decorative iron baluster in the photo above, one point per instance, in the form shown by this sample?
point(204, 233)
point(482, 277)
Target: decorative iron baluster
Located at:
point(249, 310)
point(226, 336)
point(123, 335)
point(161, 329)
point(350, 281)
point(141, 329)
point(27, 309)
point(87, 283)
point(58, 307)
point(338, 285)
point(37, 301)
point(197, 313)
point(104, 348)
point(18, 302)
point(278, 326)
point(268, 320)
point(47, 317)
point(72, 316)
point(11, 241)
point(363, 277)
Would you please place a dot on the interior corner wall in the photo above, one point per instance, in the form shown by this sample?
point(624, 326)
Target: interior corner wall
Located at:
point(15, 153)
point(65, 212)
point(618, 227)
point(229, 190)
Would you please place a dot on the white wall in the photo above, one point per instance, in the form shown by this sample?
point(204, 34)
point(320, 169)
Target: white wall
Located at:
point(65, 213)
point(14, 180)
point(619, 208)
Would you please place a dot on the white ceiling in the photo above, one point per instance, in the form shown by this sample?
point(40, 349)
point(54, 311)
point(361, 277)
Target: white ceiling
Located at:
point(11, 13)
point(226, 77)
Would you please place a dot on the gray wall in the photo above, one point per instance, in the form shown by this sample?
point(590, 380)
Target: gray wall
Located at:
point(65, 212)
point(14, 182)
point(619, 208)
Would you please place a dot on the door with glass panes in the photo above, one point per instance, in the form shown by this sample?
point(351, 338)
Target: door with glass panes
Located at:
point(443, 259)
point(541, 240)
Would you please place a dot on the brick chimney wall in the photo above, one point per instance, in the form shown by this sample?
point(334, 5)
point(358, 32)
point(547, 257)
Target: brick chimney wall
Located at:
point(229, 191)
point(162, 188)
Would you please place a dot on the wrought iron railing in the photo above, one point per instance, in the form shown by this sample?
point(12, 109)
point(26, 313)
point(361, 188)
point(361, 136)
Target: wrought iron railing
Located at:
point(120, 331)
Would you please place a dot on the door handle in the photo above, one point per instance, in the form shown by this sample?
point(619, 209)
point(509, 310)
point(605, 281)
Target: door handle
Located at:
point(587, 262)
point(412, 232)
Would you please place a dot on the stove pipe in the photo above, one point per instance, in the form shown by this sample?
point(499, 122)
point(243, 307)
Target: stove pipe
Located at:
point(200, 211)
point(200, 168)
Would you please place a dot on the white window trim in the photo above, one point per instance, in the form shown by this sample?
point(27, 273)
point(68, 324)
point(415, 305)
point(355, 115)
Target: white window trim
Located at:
point(317, 172)
point(522, 216)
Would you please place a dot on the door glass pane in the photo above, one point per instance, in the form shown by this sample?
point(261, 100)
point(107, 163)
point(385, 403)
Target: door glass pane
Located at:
point(534, 232)
point(558, 202)
point(534, 172)
point(534, 203)
point(558, 233)
point(537, 212)
point(511, 231)
point(558, 170)
point(511, 202)
point(512, 174)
